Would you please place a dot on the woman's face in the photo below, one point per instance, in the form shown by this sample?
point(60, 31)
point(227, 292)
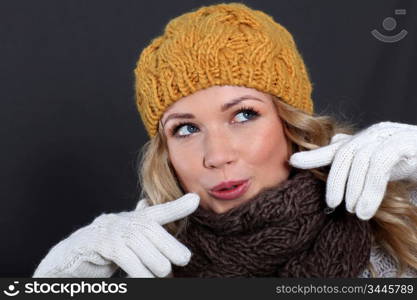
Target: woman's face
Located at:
point(226, 134)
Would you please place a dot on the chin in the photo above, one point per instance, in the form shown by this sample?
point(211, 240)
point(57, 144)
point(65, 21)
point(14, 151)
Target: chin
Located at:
point(220, 210)
point(226, 205)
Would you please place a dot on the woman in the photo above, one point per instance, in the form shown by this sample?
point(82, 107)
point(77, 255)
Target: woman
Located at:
point(226, 99)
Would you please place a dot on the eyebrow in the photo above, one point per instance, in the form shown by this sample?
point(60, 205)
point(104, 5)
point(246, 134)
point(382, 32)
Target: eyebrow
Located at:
point(223, 108)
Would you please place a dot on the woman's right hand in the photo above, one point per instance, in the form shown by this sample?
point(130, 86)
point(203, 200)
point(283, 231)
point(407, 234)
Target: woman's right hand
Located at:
point(134, 241)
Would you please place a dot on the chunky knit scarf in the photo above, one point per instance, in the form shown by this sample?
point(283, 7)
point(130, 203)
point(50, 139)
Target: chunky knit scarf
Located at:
point(284, 231)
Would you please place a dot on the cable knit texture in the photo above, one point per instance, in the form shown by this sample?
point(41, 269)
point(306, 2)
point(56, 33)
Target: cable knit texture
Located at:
point(222, 44)
point(383, 263)
point(283, 232)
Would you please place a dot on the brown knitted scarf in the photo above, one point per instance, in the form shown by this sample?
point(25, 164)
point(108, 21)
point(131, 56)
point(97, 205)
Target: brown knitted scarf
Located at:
point(284, 231)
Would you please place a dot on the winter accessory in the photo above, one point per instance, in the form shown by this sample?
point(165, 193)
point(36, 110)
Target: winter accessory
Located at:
point(134, 240)
point(222, 44)
point(383, 152)
point(385, 266)
point(282, 232)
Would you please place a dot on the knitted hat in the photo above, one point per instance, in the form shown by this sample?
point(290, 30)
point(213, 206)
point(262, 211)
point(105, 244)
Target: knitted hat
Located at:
point(222, 44)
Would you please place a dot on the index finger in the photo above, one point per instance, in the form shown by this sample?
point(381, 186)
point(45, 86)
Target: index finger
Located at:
point(173, 210)
point(319, 157)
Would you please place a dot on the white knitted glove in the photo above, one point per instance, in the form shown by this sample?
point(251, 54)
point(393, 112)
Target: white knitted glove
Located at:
point(135, 241)
point(364, 163)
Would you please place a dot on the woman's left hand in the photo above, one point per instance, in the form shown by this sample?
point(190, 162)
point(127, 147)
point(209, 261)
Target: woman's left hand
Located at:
point(364, 163)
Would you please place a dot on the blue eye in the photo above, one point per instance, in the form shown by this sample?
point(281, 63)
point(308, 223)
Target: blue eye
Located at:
point(246, 114)
point(181, 129)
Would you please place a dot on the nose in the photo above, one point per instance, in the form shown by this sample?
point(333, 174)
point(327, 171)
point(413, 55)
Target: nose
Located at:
point(219, 151)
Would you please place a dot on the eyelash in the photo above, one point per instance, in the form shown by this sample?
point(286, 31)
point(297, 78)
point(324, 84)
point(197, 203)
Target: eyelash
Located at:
point(176, 127)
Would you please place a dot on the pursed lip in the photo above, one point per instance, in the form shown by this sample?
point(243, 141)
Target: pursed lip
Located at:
point(238, 189)
point(227, 184)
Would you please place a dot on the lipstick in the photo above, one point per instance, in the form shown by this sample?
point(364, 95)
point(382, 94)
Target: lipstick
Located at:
point(230, 190)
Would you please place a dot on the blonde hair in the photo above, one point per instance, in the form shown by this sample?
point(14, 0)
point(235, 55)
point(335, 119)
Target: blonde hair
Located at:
point(394, 226)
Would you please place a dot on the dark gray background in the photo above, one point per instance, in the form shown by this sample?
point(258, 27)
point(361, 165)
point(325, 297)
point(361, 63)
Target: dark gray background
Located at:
point(69, 128)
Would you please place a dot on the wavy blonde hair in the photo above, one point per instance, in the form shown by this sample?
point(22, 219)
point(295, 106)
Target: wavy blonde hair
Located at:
point(394, 226)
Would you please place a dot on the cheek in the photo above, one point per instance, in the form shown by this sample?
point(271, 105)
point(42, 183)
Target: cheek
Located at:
point(268, 147)
point(184, 161)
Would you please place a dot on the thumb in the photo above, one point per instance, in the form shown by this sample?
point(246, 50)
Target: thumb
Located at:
point(142, 204)
point(340, 137)
point(173, 210)
point(316, 158)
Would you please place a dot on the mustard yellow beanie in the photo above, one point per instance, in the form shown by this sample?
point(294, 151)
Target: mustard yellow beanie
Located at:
point(222, 44)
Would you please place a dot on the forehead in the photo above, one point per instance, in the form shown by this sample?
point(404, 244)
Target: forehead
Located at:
point(216, 96)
